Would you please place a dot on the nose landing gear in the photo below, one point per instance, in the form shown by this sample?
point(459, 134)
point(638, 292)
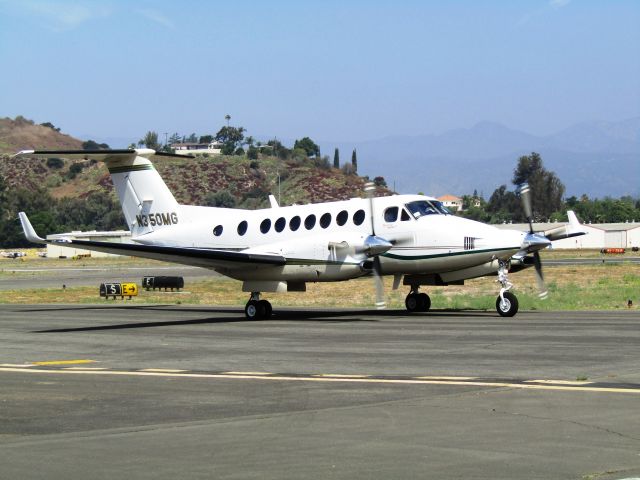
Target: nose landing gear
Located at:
point(507, 302)
point(417, 302)
point(257, 309)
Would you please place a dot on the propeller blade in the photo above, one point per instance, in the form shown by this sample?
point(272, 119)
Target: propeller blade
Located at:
point(542, 289)
point(377, 278)
point(525, 196)
point(369, 189)
point(376, 246)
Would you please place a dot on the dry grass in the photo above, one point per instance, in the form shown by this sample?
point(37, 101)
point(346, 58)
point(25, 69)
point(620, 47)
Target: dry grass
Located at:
point(583, 287)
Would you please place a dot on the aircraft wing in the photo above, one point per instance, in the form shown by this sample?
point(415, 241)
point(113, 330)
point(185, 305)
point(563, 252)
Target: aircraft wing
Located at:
point(200, 257)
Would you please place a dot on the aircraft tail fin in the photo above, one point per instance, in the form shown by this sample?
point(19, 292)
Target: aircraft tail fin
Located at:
point(147, 202)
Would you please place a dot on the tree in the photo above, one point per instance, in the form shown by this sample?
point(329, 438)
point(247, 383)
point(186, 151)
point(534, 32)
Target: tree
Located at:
point(252, 152)
point(231, 138)
point(150, 140)
point(223, 198)
point(546, 188)
point(336, 158)
point(92, 145)
point(174, 138)
point(354, 161)
point(50, 125)
point(379, 182)
point(206, 139)
point(309, 146)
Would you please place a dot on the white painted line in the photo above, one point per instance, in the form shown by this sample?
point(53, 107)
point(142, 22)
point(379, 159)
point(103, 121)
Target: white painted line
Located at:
point(16, 365)
point(561, 382)
point(86, 368)
point(338, 375)
point(162, 370)
point(247, 373)
point(284, 378)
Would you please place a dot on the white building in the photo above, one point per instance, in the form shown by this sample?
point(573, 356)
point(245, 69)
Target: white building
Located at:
point(59, 250)
point(452, 202)
point(213, 148)
point(602, 235)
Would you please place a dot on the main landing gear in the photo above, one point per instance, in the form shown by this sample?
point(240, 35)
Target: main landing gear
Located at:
point(507, 302)
point(257, 309)
point(417, 302)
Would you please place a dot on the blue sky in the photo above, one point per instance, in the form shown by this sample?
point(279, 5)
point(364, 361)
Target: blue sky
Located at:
point(331, 70)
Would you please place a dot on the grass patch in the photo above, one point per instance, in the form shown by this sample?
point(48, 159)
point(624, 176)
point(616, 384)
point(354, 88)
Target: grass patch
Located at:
point(589, 287)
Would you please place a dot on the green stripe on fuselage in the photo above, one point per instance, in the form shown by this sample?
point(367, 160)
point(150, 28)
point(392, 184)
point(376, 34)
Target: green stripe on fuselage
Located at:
point(130, 168)
point(440, 255)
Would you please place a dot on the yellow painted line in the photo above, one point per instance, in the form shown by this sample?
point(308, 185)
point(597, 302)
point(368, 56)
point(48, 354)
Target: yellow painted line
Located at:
point(284, 378)
point(445, 378)
point(162, 370)
point(247, 373)
point(15, 365)
point(561, 382)
point(63, 362)
point(338, 375)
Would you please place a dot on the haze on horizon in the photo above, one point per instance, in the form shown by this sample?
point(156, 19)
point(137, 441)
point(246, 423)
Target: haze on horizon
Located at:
point(331, 70)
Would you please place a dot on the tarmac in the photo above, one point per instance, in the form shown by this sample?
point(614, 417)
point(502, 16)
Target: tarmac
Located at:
point(125, 391)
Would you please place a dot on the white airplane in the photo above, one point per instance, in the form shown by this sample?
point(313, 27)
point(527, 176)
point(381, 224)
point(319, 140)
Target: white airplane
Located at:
point(280, 249)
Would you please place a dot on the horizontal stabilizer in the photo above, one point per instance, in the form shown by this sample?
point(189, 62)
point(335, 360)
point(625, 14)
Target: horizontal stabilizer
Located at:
point(99, 155)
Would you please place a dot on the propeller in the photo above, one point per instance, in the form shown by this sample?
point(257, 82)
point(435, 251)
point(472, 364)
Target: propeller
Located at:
point(375, 247)
point(533, 240)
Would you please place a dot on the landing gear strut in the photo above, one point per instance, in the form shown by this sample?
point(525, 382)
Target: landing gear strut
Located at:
point(507, 302)
point(257, 309)
point(417, 302)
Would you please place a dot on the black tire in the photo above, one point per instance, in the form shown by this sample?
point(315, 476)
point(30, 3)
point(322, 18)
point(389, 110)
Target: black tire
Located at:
point(268, 309)
point(510, 307)
point(424, 302)
point(412, 302)
point(254, 310)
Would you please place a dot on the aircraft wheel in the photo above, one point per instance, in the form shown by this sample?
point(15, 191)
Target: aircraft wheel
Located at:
point(268, 309)
point(508, 307)
point(424, 302)
point(254, 310)
point(411, 302)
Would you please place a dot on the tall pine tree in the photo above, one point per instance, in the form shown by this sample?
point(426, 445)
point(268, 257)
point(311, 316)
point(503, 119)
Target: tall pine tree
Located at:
point(354, 161)
point(336, 158)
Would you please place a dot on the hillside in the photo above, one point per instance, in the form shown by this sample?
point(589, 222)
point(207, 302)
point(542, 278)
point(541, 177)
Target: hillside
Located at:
point(193, 181)
point(21, 134)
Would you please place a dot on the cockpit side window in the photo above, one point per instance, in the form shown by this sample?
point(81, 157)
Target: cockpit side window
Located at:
point(391, 214)
point(404, 216)
point(420, 208)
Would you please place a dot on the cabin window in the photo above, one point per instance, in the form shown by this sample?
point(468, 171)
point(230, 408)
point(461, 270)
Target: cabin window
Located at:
point(358, 217)
point(391, 214)
point(280, 224)
point(265, 225)
point(325, 220)
point(294, 223)
point(310, 222)
point(342, 217)
point(242, 227)
point(218, 230)
point(404, 216)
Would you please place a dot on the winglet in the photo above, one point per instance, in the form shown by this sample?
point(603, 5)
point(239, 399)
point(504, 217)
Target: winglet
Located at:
point(29, 232)
point(273, 202)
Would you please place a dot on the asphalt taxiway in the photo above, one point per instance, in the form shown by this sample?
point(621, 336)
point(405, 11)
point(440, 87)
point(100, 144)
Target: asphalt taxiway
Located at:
point(196, 392)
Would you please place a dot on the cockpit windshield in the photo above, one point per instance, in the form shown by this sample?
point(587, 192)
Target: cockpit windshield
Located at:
point(420, 208)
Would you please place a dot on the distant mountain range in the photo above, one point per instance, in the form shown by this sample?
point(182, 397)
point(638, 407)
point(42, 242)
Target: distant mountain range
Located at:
point(596, 158)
